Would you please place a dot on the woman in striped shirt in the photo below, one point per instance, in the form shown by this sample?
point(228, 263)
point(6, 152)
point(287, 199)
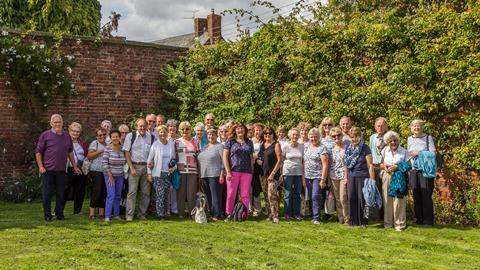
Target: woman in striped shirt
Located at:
point(113, 162)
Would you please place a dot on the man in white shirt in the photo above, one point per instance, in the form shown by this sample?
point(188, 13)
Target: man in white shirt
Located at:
point(136, 147)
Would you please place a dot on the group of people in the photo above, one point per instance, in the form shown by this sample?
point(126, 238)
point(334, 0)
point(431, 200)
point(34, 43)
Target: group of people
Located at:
point(309, 165)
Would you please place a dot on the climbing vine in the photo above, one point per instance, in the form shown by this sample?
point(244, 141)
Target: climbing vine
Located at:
point(35, 72)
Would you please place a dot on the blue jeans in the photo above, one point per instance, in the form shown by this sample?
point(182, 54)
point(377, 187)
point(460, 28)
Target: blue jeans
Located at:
point(292, 185)
point(317, 195)
point(214, 189)
point(53, 181)
point(114, 194)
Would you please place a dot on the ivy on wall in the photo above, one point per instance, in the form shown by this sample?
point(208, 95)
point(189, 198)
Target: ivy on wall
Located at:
point(404, 61)
point(36, 73)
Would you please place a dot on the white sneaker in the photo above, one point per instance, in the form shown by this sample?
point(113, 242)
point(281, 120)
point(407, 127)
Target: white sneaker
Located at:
point(316, 222)
point(129, 219)
point(275, 220)
point(107, 219)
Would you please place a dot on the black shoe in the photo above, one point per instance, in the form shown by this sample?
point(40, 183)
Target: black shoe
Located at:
point(161, 218)
point(48, 219)
point(60, 218)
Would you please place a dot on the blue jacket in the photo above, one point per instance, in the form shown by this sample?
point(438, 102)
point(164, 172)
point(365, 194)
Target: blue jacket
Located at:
point(399, 183)
point(426, 163)
point(175, 177)
point(371, 194)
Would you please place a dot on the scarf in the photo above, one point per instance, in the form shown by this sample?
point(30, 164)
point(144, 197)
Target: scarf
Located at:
point(352, 154)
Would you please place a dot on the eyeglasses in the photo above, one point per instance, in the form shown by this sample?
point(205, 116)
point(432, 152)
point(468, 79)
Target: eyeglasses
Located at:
point(336, 136)
point(101, 135)
point(123, 132)
point(184, 129)
point(151, 121)
point(328, 125)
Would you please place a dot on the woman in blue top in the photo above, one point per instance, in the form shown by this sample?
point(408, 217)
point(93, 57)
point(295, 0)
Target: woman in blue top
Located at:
point(358, 161)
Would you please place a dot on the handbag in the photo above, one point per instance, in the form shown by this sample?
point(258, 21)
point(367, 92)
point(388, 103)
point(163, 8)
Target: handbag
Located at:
point(330, 203)
point(87, 163)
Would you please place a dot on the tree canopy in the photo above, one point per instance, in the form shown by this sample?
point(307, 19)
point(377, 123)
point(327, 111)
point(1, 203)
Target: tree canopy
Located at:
point(79, 17)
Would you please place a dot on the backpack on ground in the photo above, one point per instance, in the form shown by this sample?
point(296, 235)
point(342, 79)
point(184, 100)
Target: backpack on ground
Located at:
point(240, 212)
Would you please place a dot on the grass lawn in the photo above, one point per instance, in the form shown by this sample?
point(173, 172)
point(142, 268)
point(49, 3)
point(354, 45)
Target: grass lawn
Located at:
point(26, 241)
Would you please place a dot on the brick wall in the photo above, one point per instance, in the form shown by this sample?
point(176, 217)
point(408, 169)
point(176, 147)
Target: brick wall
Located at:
point(112, 81)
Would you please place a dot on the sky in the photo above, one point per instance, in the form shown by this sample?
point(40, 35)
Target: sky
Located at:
point(147, 20)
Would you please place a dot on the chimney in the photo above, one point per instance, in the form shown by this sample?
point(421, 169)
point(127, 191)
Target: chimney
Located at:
point(214, 25)
point(200, 26)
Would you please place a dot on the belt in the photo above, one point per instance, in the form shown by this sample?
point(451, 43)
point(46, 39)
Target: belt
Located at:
point(139, 163)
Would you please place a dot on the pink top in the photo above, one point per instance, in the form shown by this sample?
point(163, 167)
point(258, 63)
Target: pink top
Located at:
point(187, 155)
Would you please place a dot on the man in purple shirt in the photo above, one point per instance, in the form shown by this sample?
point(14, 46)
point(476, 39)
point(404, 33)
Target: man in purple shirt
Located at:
point(53, 148)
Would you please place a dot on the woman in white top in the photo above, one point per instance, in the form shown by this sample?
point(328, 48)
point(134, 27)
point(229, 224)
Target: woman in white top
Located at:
point(255, 200)
point(394, 208)
point(161, 153)
point(75, 183)
point(422, 187)
point(292, 174)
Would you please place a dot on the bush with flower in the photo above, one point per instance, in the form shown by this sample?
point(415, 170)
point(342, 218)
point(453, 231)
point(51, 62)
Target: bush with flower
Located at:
point(35, 72)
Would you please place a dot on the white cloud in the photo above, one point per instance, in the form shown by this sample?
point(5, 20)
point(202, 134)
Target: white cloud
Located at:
point(146, 20)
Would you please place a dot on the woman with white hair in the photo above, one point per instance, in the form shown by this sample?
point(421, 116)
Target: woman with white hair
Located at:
point(316, 171)
point(393, 156)
point(107, 125)
point(292, 174)
point(161, 153)
point(187, 150)
point(124, 130)
point(422, 186)
point(199, 134)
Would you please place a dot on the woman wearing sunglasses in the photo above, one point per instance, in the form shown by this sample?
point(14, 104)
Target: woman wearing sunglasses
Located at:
point(338, 177)
point(270, 157)
point(99, 190)
point(187, 149)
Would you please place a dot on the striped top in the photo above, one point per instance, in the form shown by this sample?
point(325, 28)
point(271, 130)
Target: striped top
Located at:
point(113, 161)
point(187, 155)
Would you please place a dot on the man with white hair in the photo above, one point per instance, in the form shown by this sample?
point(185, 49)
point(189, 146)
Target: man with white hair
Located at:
point(53, 149)
point(377, 144)
point(151, 124)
